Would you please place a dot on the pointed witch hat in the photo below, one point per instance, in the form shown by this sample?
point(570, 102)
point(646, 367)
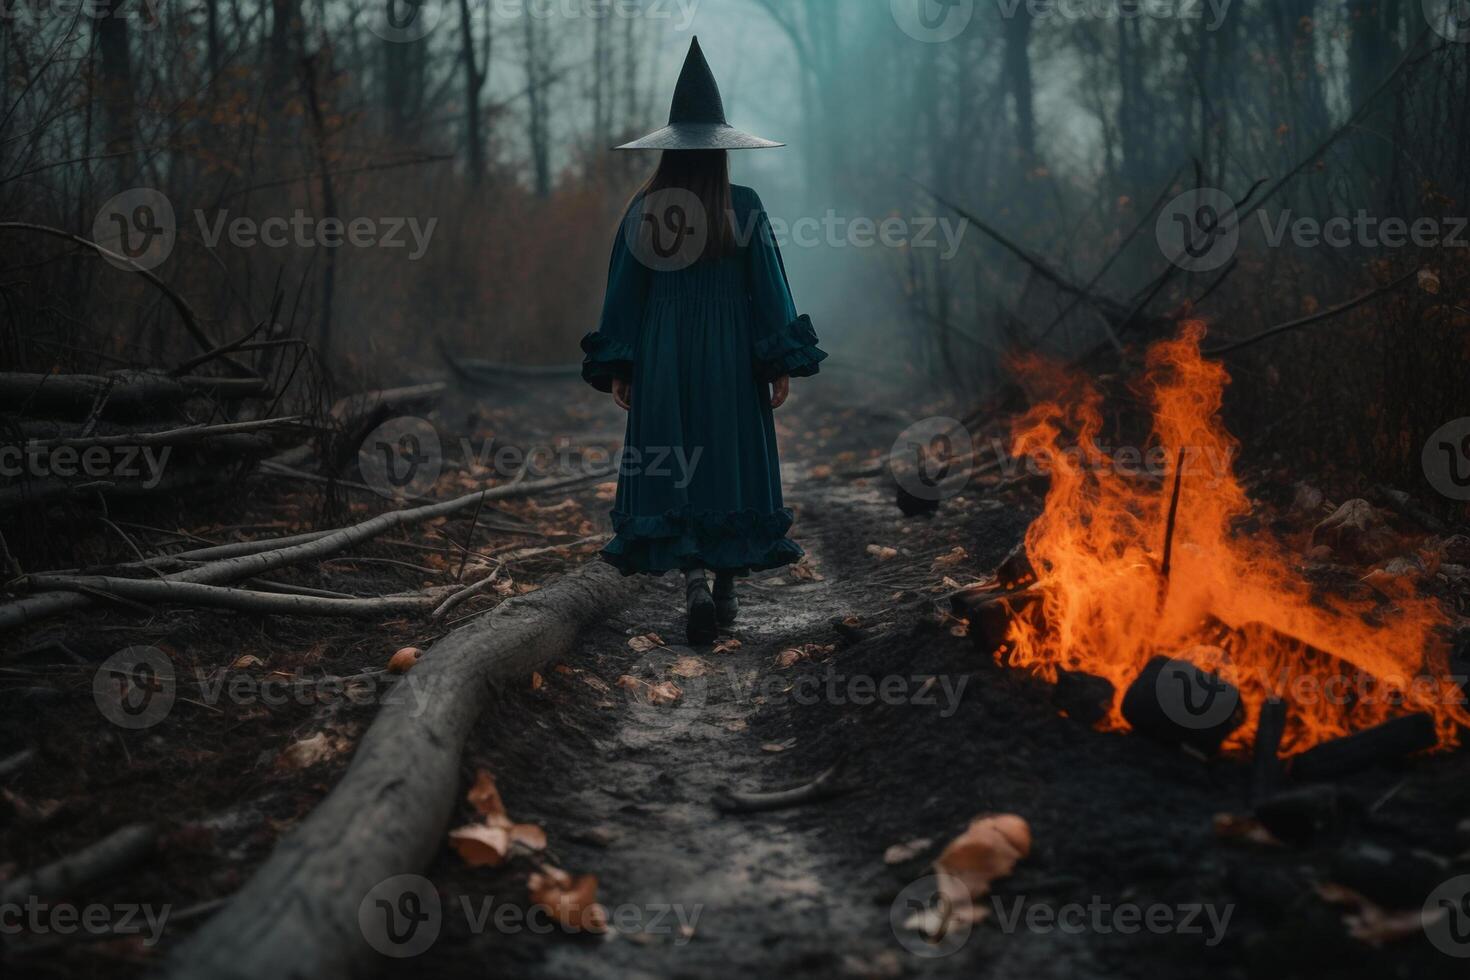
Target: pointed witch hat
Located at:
point(697, 115)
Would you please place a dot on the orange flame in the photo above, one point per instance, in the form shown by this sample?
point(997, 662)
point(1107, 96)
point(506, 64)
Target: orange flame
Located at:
point(1231, 601)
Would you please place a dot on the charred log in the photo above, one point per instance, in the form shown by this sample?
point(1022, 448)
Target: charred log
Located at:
point(1175, 701)
point(1382, 744)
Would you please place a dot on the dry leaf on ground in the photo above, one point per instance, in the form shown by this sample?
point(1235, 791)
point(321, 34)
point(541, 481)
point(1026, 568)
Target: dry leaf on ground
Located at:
point(689, 667)
point(309, 751)
point(571, 901)
point(404, 659)
point(987, 851)
point(726, 646)
point(484, 796)
point(907, 851)
point(788, 658)
point(528, 835)
point(952, 557)
point(805, 571)
point(1368, 921)
point(646, 642)
point(480, 845)
point(882, 552)
point(665, 693)
point(487, 843)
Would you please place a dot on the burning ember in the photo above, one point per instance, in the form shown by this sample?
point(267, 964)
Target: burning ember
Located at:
point(1128, 570)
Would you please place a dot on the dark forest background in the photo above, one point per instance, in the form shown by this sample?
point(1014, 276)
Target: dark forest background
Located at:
point(1064, 134)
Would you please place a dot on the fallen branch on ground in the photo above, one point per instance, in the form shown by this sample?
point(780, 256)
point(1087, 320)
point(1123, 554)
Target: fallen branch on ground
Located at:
point(824, 787)
point(152, 590)
point(33, 608)
point(181, 436)
point(118, 850)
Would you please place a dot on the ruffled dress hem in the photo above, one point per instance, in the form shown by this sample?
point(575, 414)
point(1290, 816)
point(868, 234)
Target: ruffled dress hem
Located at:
point(740, 542)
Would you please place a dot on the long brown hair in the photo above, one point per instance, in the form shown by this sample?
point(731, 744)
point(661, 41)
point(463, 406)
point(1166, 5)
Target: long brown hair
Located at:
point(706, 175)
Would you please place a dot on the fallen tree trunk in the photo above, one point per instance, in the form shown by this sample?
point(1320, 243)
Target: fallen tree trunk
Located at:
point(113, 853)
point(299, 915)
point(125, 391)
point(236, 569)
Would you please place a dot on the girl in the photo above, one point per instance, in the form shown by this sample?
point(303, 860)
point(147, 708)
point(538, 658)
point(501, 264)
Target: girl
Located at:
point(698, 342)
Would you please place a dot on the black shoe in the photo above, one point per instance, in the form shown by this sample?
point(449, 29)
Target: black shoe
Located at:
point(701, 613)
point(727, 606)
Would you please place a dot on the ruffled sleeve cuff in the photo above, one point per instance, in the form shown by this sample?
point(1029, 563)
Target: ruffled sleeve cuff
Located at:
point(606, 360)
point(792, 350)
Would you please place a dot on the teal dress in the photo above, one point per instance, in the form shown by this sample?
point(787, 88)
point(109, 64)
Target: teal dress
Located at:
point(699, 483)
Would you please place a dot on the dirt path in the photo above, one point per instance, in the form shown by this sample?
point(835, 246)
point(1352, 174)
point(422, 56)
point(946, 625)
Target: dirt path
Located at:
point(625, 788)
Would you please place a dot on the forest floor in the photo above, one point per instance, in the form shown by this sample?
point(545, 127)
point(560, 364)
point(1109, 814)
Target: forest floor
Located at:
point(625, 789)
